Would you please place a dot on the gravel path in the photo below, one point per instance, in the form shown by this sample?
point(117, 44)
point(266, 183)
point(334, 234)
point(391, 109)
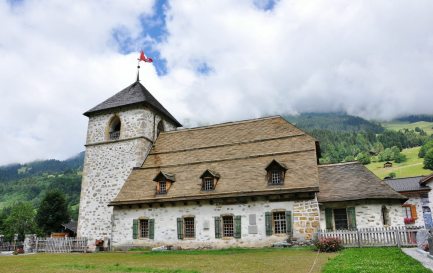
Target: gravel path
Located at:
point(422, 258)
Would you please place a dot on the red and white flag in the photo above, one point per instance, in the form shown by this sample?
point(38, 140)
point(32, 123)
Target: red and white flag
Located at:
point(144, 58)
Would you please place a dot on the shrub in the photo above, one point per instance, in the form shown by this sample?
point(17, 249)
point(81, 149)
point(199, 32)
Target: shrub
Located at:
point(331, 244)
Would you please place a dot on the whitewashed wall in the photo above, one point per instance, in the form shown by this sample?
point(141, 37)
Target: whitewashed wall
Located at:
point(166, 225)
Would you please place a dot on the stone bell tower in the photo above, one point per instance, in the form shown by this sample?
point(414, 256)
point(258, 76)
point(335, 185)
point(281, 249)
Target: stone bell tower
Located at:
point(121, 132)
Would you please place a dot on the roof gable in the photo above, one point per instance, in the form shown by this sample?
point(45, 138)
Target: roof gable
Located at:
point(136, 93)
point(210, 173)
point(162, 176)
point(426, 179)
point(275, 165)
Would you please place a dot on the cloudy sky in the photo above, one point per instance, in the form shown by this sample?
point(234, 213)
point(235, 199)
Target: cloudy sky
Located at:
point(215, 61)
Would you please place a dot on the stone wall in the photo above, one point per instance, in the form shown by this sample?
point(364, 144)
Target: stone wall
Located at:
point(368, 213)
point(252, 221)
point(108, 163)
point(306, 218)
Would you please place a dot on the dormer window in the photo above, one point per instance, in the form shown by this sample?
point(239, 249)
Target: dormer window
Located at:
point(114, 129)
point(163, 182)
point(275, 173)
point(209, 180)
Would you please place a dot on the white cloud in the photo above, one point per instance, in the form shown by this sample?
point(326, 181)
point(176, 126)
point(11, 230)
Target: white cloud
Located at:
point(369, 58)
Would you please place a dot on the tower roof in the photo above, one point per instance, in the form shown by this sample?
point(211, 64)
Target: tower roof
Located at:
point(134, 94)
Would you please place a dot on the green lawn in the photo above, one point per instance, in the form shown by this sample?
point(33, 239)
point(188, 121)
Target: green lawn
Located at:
point(426, 126)
point(413, 166)
point(231, 260)
point(374, 260)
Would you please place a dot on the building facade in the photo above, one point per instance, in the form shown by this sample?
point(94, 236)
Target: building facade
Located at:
point(246, 183)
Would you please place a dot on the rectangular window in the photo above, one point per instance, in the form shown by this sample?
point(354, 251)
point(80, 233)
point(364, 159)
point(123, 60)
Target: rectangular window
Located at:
point(340, 219)
point(228, 230)
point(189, 227)
point(407, 212)
point(144, 228)
point(208, 184)
point(279, 222)
point(162, 187)
point(276, 177)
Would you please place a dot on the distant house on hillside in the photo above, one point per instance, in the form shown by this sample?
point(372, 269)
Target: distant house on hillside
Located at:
point(387, 164)
point(416, 211)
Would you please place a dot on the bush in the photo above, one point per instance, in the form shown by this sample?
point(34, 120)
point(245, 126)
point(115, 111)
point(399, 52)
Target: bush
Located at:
point(331, 244)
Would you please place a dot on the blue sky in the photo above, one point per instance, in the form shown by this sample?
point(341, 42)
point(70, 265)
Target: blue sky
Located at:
point(214, 61)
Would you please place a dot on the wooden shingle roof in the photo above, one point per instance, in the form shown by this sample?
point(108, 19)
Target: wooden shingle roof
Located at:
point(238, 151)
point(352, 181)
point(134, 94)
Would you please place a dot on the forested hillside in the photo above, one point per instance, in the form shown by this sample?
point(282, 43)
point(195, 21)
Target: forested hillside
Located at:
point(51, 166)
point(346, 138)
point(29, 182)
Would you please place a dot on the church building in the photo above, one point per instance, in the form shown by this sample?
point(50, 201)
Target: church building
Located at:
point(149, 182)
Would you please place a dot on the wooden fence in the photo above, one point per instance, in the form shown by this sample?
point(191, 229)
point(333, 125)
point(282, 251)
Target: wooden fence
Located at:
point(10, 246)
point(370, 237)
point(60, 245)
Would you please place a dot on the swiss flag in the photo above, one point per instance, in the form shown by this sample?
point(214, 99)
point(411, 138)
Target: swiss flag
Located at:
point(144, 58)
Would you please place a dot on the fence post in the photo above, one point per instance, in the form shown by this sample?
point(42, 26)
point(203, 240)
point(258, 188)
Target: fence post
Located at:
point(359, 238)
point(398, 238)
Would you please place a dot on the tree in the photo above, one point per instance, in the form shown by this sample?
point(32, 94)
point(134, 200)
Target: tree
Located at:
point(364, 158)
point(52, 212)
point(428, 159)
point(427, 146)
point(21, 221)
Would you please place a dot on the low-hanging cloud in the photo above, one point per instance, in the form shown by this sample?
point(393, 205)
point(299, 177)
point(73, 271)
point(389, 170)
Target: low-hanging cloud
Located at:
point(225, 60)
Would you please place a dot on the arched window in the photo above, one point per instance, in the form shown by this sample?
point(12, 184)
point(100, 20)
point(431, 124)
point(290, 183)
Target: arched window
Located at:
point(159, 128)
point(385, 216)
point(114, 129)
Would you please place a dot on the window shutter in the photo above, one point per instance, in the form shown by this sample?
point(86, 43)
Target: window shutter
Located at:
point(151, 228)
point(413, 212)
point(217, 227)
point(351, 217)
point(288, 222)
point(268, 223)
point(238, 227)
point(328, 218)
point(135, 229)
point(179, 228)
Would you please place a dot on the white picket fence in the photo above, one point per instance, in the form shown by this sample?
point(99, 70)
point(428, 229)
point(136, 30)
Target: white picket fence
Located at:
point(60, 245)
point(371, 237)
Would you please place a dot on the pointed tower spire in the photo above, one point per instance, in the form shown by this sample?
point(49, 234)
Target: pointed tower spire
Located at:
point(138, 71)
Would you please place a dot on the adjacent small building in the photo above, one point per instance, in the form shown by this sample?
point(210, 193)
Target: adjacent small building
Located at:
point(352, 197)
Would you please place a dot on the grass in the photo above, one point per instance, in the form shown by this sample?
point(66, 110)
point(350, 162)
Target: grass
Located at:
point(230, 260)
point(426, 126)
point(413, 166)
point(373, 260)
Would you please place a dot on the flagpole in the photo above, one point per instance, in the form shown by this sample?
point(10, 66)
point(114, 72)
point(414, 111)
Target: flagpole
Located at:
point(138, 71)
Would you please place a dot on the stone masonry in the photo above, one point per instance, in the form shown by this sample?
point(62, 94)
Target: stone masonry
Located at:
point(108, 163)
point(252, 223)
point(306, 218)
